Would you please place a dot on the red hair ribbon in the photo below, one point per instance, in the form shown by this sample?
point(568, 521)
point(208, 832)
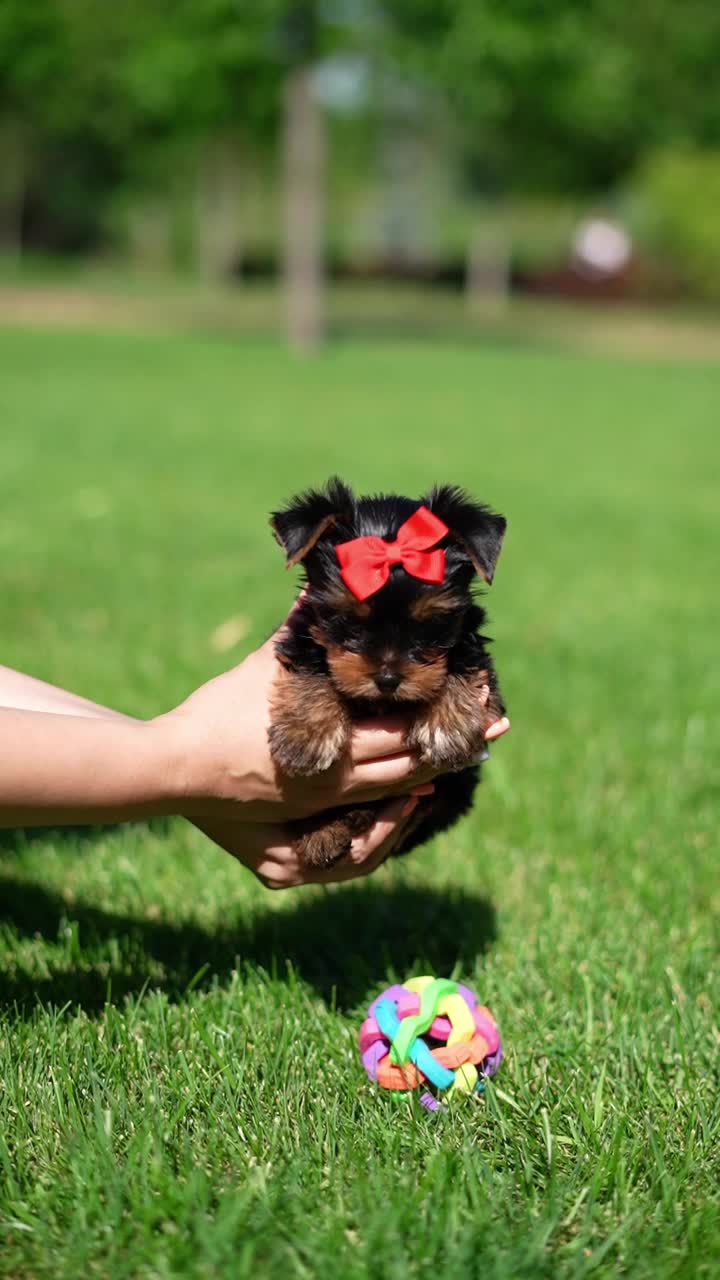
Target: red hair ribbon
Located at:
point(365, 562)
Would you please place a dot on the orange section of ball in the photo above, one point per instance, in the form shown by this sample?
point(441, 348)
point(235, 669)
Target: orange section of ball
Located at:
point(390, 1076)
point(455, 1055)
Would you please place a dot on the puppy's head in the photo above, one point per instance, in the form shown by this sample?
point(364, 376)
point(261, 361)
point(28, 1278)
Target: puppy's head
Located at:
point(393, 645)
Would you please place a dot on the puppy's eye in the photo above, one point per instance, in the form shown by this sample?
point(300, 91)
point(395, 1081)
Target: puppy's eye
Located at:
point(350, 634)
point(438, 636)
point(423, 655)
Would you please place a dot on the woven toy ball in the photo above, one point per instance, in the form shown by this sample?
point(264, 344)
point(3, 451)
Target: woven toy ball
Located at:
point(430, 1030)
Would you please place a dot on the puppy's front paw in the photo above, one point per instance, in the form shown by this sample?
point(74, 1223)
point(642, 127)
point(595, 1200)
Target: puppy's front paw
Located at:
point(450, 732)
point(300, 756)
point(309, 727)
point(442, 748)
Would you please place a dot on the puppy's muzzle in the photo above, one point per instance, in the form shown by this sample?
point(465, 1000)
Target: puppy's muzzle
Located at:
point(386, 681)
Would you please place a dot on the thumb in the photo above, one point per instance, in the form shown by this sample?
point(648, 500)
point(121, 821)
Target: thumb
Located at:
point(390, 820)
point(270, 642)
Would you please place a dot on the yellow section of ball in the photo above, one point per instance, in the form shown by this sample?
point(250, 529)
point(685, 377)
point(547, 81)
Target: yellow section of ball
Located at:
point(461, 1019)
point(418, 985)
point(466, 1078)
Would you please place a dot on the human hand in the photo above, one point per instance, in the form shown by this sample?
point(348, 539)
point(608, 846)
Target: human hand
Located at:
point(220, 744)
point(497, 729)
point(64, 759)
point(266, 848)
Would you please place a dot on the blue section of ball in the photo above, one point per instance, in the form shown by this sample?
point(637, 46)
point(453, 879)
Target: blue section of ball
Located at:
point(389, 1023)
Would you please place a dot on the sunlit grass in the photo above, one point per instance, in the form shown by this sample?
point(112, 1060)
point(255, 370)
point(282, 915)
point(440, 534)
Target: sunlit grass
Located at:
point(179, 1087)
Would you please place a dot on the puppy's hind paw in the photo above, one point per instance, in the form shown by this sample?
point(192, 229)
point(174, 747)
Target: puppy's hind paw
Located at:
point(324, 847)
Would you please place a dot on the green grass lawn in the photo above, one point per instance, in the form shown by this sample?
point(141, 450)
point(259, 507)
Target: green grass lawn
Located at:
point(180, 1093)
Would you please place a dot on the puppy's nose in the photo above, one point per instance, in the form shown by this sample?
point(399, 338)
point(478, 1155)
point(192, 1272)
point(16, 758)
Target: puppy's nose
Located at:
point(387, 681)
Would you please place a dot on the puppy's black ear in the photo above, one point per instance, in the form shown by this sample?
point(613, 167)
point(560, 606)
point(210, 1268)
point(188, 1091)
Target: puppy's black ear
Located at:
point(479, 530)
point(308, 516)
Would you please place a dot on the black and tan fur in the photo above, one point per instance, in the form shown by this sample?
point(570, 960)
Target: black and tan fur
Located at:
point(412, 646)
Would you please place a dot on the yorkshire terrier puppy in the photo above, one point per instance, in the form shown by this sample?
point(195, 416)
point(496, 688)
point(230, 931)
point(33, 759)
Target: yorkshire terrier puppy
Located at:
point(388, 623)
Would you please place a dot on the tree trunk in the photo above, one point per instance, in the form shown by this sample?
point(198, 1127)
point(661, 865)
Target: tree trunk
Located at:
point(218, 202)
point(304, 159)
point(487, 278)
point(13, 167)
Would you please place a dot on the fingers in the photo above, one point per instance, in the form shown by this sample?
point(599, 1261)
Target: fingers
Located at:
point(377, 739)
point(397, 767)
point(371, 849)
point(373, 741)
point(384, 837)
point(422, 789)
point(389, 820)
point(497, 729)
point(268, 646)
point(267, 851)
point(378, 778)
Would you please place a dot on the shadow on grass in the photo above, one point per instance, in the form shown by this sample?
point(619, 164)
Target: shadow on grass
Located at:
point(15, 837)
point(342, 943)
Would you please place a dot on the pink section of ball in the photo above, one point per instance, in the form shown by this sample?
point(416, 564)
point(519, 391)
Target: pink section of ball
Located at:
point(396, 992)
point(370, 1033)
point(441, 1028)
point(487, 1029)
point(408, 1005)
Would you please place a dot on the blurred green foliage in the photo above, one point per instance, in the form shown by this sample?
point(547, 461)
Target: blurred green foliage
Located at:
point(108, 108)
point(105, 97)
point(558, 95)
point(676, 197)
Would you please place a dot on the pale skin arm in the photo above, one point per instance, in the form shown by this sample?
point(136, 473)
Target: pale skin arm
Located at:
point(263, 847)
point(64, 759)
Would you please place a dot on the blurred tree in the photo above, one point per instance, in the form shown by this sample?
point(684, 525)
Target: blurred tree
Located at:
point(674, 199)
point(556, 95)
point(103, 95)
point(34, 124)
point(561, 97)
point(204, 81)
point(535, 95)
point(304, 179)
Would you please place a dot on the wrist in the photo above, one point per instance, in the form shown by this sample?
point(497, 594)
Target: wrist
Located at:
point(189, 772)
point(171, 760)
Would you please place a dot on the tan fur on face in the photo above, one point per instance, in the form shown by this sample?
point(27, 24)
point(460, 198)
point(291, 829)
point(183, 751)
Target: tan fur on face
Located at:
point(338, 597)
point(422, 681)
point(353, 674)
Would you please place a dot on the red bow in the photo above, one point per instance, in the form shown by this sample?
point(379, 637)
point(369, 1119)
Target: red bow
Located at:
point(365, 562)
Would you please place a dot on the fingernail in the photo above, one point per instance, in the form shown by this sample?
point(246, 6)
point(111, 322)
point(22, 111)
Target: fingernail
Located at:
point(409, 805)
point(423, 789)
point(497, 729)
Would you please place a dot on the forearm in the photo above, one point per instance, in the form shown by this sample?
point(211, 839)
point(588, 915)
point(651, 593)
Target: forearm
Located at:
point(47, 801)
point(58, 769)
point(26, 693)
